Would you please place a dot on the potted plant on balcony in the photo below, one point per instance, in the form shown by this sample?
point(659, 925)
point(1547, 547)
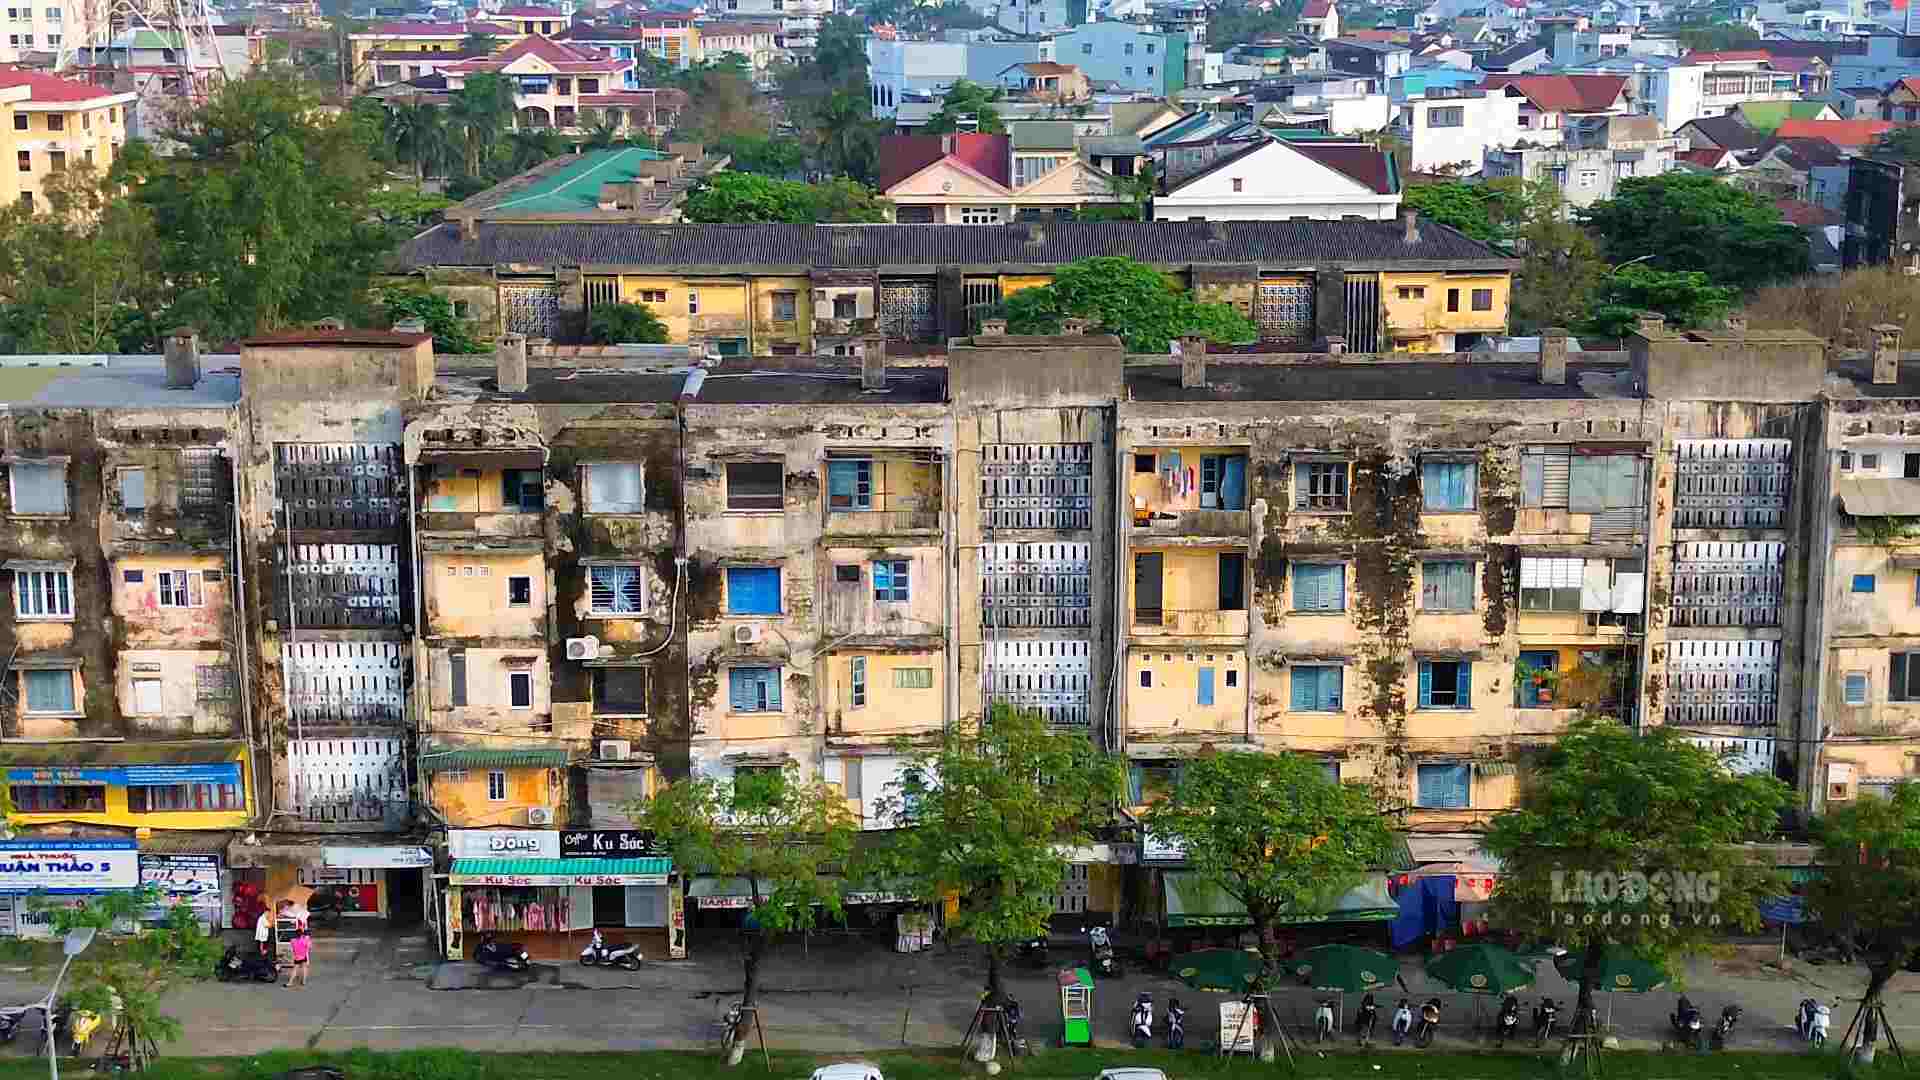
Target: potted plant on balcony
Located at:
point(1543, 681)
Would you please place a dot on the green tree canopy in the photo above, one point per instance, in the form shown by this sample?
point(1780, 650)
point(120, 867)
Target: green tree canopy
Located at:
point(1237, 22)
point(739, 198)
point(1869, 884)
point(989, 814)
point(1560, 266)
point(450, 334)
point(1482, 211)
point(1145, 307)
point(263, 217)
point(625, 324)
point(773, 830)
point(1899, 144)
point(762, 154)
point(967, 101)
point(135, 974)
point(1688, 221)
point(1686, 297)
point(1606, 803)
point(1274, 832)
point(82, 275)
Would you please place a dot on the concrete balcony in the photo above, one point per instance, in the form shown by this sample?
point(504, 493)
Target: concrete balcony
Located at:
point(1195, 524)
point(1189, 622)
point(887, 516)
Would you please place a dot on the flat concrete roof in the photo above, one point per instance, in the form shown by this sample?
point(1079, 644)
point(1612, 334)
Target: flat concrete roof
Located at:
point(109, 382)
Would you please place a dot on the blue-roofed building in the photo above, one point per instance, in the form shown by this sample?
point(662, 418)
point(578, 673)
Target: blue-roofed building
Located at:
point(1418, 81)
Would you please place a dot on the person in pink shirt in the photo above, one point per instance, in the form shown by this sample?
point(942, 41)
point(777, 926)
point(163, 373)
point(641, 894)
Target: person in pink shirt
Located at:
point(302, 952)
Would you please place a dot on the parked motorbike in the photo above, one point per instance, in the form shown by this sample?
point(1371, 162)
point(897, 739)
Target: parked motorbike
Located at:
point(599, 953)
point(1016, 1042)
point(1817, 1028)
point(1366, 1018)
point(1686, 1022)
point(1723, 1031)
point(1142, 1020)
point(1032, 953)
point(326, 907)
point(1323, 1020)
point(244, 963)
point(1544, 1016)
point(1508, 1025)
point(1101, 959)
point(81, 1028)
point(12, 1015)
point(1402, 1021)
point(1429, 1023)
point(504, 955)
point(1176, 1025)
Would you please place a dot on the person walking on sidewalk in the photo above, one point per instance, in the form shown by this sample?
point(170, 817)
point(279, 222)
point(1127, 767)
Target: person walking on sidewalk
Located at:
point(302, 953)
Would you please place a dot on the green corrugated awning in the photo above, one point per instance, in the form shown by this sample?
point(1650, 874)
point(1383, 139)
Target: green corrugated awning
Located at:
point(651, 871)
point(450, 760)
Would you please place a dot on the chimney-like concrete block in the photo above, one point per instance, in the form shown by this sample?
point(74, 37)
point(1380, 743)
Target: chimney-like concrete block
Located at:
point(873, 365)
point(1410, 226)
point(1886, 354)
point(1553, 356)
point(993, 328)
point(510, 363)
point(1193, 362)
point(182, 349)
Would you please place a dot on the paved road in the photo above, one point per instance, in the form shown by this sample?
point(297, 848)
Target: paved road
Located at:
point(379, 992)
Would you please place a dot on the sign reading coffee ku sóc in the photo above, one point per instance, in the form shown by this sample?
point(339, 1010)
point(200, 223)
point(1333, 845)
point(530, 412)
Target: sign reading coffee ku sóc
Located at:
point(608, 844)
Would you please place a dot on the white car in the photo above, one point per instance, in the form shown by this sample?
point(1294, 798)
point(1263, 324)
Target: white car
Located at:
point(1131, 1072)
point(851, 1070)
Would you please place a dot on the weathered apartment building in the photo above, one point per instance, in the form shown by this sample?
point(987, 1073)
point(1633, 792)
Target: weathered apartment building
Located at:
point(803, 290)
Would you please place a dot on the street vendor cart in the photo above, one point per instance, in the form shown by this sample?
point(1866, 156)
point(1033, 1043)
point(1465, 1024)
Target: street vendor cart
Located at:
point(1076, 1007)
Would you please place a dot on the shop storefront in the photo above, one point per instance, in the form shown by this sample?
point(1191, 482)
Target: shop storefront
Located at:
point(376, 881)
point(38, 876)
point(193, 880)
point(549, 891)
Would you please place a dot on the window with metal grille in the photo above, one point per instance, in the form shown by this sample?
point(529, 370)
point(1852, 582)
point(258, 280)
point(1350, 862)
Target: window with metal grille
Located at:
point(213, 682)
point(786, 306)
point(845, 307)
point(43, 594)
point(756, 485)
point(857, 682)
point(519, 591)
point(913, 678)
point(984, 291)
point(1551, 584)
point(890, 580)
point(497, 785)
point(524, 490)
point(1320, 486)
point(602, 290)
point(1854, 688)
point(850, 485)
point(201, 487)
point(158, 798)
point(616, 589)
point(1446, 585)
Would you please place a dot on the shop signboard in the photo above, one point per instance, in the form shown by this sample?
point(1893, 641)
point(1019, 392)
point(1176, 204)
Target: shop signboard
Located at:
point(221, 772)
point(503, 843)
point(724, 903)
point(69, 866)
point(557, 879)
point(193, 880)
point(609, 844)
point(376, 858)
point(1159, 849)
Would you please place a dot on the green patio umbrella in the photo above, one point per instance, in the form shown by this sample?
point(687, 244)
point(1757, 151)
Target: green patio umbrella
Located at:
point(1346, 968)
point(1231, 970)
point(1621, 971)
point(1481, 969)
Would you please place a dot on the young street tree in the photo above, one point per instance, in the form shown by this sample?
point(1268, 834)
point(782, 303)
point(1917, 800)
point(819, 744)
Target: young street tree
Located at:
point(1869, 885)
point(133, 975)
point(1627, 841)
point(772, 830)
point(1274, 832)
point(989, 815)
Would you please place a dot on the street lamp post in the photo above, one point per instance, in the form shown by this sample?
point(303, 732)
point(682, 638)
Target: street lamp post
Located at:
point(77, 941)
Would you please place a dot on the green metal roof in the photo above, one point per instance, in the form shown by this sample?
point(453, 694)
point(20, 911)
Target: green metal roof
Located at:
point(1769, 115)
point(573, 187)
point(450, 760)
point(1041, 134)
point(537, 867)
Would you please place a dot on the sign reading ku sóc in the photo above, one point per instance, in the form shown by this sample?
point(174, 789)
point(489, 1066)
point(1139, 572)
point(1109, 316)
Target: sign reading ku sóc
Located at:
point(608, 844)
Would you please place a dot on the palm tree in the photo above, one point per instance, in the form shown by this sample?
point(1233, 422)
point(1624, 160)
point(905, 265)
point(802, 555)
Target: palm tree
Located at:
point(847, 135)
point(481, 112)
point(418, 133)
point(482, 44)
point(529, 148)
point(604, 130)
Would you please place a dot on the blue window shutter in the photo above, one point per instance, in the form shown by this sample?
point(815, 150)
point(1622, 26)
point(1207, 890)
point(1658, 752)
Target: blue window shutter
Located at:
point(1330, 688)
point(1233, 486)
point(753, 590)
point(741, 689)
point(1426, 684)
point(842, 481)
point(882, 579)
point(1306, 688)
point(1299, 487)
point(1863, 583)
point(1465, 685)
point(1135, 774)
point(770, 677)
point(1458, 779)
point(1337, 587)
point(1206, 686)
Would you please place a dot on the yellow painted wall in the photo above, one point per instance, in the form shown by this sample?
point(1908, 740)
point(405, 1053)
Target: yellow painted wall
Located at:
point(889, 710)
point(1147, 485)
point(144, 622)
point(767, 331)
point(489, 697)
point(851, 608)
point(1170, 707)
point(1013, 283)
point(461, 797)
point(96, 131)
point(462, 601)
point(117, 813)
point(1428, 313)
point(465, 491)
point(9, 171)
point(723, 305)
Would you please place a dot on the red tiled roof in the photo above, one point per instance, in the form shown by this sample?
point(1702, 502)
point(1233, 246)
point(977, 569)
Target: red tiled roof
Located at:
point(662, 96)
point(586, 32)
point(1377, 35)
point(1363, 162)
point(1317, 9)
point(1564, 93)
point(743, 29)
point(903, 155)
point(1841, 133)
point(1046, 67)
point(1704, 158)
point(1910, 84)
point(1806, 214)
point(44, 87)
point(530, 13)
point(565, 58)
point(421, 29)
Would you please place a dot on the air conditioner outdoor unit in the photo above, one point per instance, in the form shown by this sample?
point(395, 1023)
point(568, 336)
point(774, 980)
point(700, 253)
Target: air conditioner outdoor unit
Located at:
point(583, 648)
point(746, 635)
point(539, 815)
point(615, 749)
